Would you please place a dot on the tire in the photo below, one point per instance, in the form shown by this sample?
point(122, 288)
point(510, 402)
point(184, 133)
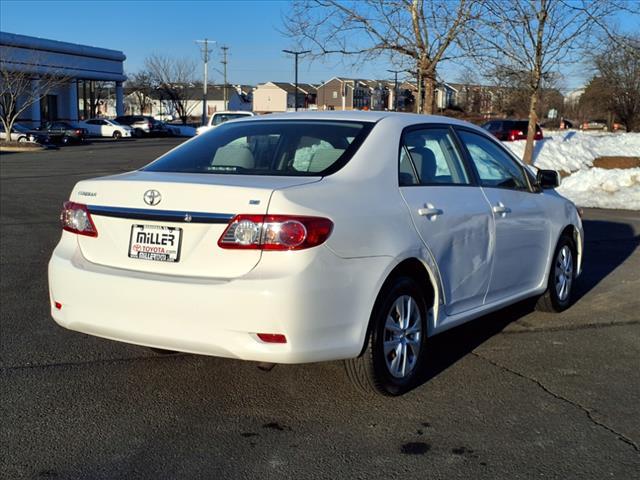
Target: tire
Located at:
point(23, 140)
point(65, 140)
point(139, 133)
point(392, 323)
point(117, 135)
point(558, 295)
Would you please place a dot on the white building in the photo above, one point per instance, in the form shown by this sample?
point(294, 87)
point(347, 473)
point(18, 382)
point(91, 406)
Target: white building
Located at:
point(80, 66)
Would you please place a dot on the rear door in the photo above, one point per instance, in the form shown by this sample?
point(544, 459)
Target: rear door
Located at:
point(522, 229)
point(449, 212)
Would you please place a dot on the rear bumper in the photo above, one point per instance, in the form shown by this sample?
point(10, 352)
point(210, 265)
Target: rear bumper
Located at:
point(320, 302)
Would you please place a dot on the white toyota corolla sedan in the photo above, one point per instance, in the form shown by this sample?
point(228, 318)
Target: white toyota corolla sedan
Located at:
point(315, 236)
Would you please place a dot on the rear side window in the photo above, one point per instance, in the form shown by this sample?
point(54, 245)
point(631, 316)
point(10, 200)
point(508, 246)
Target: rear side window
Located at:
point(428, 157)
point(288, 148)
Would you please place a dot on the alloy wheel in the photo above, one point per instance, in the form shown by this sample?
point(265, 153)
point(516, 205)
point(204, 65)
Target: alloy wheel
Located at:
point(402, 336)
point(564, 272)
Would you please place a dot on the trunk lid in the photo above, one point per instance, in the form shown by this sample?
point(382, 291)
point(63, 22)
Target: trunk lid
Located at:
point(182, 213)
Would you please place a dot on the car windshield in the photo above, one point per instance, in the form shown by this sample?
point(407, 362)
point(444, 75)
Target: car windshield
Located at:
point(289, 148)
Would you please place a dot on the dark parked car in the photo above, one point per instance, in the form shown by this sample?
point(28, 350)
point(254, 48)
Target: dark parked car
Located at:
point(20, 133)
point(511, 130)
point(143, 125)
point(64, 132)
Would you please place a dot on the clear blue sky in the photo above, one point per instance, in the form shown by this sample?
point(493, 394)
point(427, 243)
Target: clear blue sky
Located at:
point(248, 27)
point(139, 28)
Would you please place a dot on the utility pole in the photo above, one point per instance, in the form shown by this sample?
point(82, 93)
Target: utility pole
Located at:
point(302, 52)
point(205, 51)
point(395, 89)
point(225, 49)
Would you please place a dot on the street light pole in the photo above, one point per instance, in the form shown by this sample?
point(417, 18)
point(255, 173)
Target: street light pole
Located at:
point(395, 89)
point(224, 62)
point(301, 52)
point(205, 51)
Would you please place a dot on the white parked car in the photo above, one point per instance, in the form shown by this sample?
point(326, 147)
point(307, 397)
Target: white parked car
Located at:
point(315, 236)
point(101, 127)
point(218, 118)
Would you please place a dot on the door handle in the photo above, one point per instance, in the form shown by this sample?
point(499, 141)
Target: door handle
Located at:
point(429, 211)
point(501, 209)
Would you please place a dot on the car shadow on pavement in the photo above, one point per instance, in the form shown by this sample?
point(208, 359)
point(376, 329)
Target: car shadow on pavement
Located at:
point(607, 246)
point(447, 348)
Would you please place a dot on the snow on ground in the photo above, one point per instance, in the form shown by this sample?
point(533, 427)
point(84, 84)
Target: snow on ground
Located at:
point(572, 151)
point(597, 187)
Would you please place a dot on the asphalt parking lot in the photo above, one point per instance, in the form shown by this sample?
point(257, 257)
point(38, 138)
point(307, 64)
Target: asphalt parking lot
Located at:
point(516, 394)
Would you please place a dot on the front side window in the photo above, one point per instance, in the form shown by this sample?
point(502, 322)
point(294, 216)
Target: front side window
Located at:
point(430, 157)
point(494, 166)
point(262, 147)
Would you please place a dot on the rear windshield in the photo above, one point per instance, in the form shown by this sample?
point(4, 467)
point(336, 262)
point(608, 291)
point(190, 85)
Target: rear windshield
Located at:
point(263, 147)
point(522, 125)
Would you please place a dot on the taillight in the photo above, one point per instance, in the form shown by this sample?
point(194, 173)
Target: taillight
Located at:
point(75, 218)
point(275, 232)
point(515, 134)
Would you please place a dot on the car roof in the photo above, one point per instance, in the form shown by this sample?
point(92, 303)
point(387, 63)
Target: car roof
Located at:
point(399, 118)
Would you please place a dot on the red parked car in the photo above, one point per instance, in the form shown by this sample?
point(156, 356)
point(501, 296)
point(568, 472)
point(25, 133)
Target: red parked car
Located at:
point(511, 130)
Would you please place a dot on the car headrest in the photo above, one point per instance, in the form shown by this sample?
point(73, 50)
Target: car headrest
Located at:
point(234, 156)
point(324, 158)
point(425, 161)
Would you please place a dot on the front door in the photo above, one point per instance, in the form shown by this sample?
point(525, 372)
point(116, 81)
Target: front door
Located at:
point(450, 213)
point(522, 230)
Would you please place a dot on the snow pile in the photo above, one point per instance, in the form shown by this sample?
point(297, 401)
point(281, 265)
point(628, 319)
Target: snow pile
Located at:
point(571, 150)
point(597, 187)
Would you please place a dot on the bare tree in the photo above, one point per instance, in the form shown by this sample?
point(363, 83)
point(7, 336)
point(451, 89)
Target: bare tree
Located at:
point(618, 68)
point(173, 77)
point(141, 86)
point(417, 34)
point(530, 40)
point(20, 90)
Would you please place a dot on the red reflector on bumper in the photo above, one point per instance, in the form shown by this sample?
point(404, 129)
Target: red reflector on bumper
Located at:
point(272, 337)
point(58, 305)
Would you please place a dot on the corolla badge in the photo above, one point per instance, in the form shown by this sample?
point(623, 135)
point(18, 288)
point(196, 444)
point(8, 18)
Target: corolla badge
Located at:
point(152, 197)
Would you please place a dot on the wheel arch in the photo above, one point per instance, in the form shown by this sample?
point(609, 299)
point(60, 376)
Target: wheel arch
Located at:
point(426, 277)
point(573, 232)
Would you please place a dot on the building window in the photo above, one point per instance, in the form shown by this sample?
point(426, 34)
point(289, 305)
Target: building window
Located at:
point(334, 94)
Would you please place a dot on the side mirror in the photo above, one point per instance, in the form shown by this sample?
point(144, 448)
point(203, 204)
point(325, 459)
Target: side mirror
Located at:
point(548, 179)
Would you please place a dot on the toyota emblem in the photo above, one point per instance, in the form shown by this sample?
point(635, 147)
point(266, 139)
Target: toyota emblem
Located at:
point(152, 197)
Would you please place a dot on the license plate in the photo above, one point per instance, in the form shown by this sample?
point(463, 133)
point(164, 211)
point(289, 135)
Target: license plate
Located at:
point(153, 242)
